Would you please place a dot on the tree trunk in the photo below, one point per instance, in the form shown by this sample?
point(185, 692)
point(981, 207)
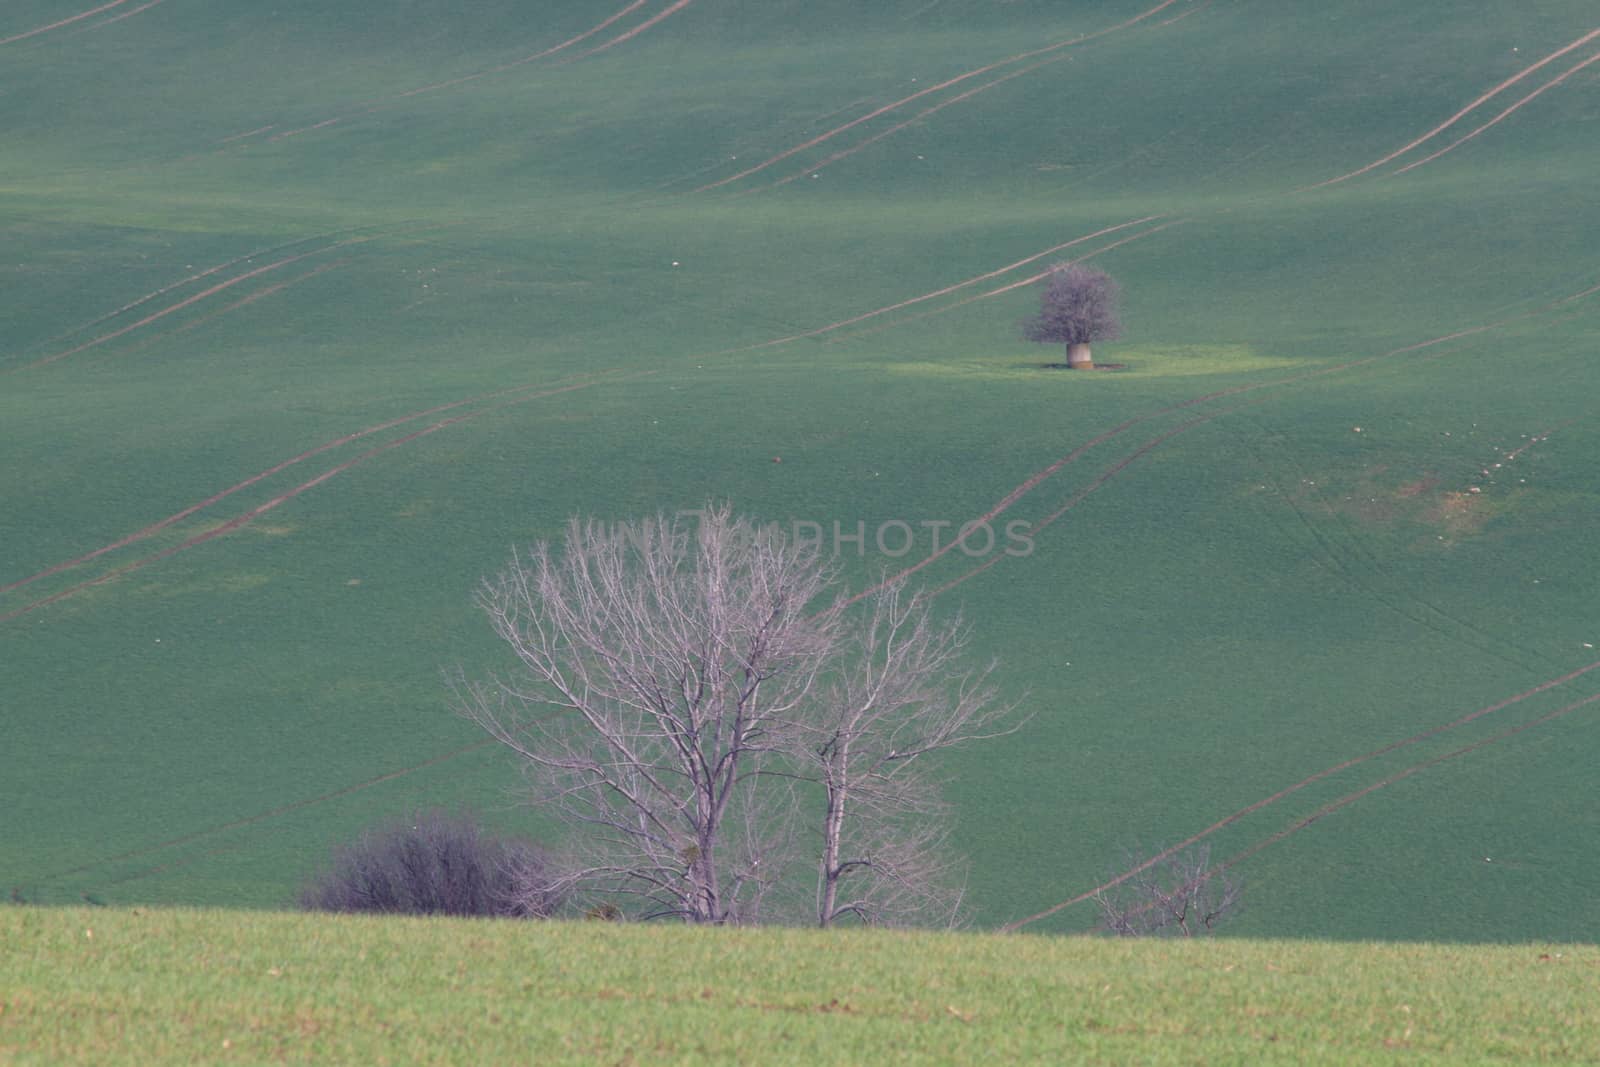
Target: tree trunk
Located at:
point(1078, 357)
point(832, 833)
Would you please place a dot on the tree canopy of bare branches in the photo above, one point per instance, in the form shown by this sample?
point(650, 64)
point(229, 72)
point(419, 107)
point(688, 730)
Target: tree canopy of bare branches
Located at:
point(1077, 307)
point(1181, 895)
point(717, 729)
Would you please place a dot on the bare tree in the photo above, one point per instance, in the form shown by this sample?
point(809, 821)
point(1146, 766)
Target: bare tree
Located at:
point(1182, 895)
point(1078, 306)
point(683, 702)
point(661, 670)
point(902, 693)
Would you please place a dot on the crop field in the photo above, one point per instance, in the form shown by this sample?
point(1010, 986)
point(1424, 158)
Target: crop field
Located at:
point(176, 986)
point(312, 312)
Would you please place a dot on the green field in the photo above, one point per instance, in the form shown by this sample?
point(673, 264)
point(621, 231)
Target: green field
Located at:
point(183, 986)
point(311, 312)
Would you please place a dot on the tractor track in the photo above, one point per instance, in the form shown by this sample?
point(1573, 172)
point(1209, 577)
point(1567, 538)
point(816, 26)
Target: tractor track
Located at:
point(828, 135)
point(1312, 779)
point(257, 295)
point(1350, 798)
point(124, 15)
point(91, 13)
point(181, 282)
point(666, 13)
point(1464, 112)
point(949, 288)
point(914, 119)
point(189, 300)
point(1030, 280)
point(1547, 86)
point(925, 112)
point(378, 104)
point(245, 518)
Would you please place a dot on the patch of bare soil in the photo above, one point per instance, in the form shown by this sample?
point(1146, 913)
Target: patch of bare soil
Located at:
point(1458, 513)
point(1377, 499)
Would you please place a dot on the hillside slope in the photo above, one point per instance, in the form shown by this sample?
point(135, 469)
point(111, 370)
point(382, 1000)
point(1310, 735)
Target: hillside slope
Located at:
point(313, 311)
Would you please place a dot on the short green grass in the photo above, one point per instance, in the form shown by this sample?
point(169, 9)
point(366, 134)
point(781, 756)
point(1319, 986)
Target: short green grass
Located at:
point(182, 986)
point(1251, 591)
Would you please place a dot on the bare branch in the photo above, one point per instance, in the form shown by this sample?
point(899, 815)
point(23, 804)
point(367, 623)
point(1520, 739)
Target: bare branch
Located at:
point(680, 704)
point(1183, 896)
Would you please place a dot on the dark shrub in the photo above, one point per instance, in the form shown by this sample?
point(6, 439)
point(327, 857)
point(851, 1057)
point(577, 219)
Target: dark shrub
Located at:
point(436, 864)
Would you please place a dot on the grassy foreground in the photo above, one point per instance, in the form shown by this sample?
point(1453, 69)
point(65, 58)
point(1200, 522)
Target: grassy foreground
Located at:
point(184, 986)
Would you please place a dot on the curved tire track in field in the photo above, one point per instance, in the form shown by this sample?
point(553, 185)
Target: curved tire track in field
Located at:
point(1551, 84)
point(181, 282)
point(63, 22)
point(126, 14)
point(1082, 494)
point(957, 80)
point(949, 288)
point(259, 295)
point(925, 112)
point(1350, 798)
point(563, 46)
point(600, 27)
point(189, 300)
point(1326, 772)
point(310, 453)
point(163, 313)
point(672, 9)
point(1464, 112)
point(1031, 279)
point(914, 119)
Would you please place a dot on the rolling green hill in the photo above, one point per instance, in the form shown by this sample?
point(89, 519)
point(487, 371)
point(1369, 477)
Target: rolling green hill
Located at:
point(311, 312)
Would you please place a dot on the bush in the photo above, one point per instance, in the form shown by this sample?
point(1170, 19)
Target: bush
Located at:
point(436, 864)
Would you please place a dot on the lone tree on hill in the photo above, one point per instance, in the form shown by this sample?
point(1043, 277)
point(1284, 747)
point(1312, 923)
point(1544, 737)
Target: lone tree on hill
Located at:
point(725, 741)
point(1078, 306)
